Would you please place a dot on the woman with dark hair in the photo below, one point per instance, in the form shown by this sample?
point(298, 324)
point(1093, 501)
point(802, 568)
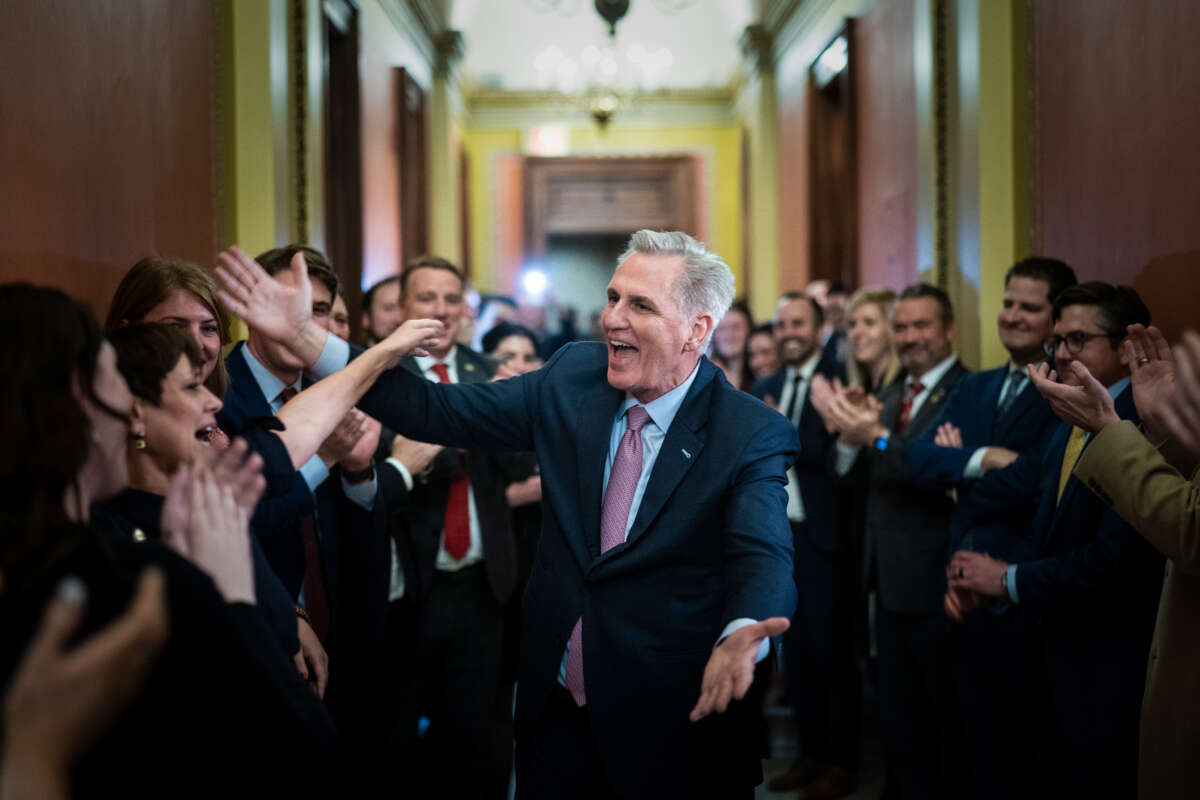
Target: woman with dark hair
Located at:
point(219, 693)
point(729, 344)
point(172, 422)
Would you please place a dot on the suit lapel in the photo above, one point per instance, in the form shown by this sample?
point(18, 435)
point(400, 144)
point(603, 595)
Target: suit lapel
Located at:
point(680, 450)
point(594, 423)
point(933, 404)
point(243, 382)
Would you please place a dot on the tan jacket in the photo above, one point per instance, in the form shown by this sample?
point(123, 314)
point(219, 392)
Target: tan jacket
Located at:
point(1147, 488)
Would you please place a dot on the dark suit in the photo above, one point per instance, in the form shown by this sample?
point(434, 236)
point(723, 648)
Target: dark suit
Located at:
point(461, 621)
point(709, 545)
point(905, 562)
point(349, 537)
point(988, 652)
point(819, 647)
point(1091, 585)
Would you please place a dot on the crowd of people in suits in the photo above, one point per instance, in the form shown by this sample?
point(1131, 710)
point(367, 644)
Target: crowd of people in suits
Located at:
point(324, 568)
point(984, 551)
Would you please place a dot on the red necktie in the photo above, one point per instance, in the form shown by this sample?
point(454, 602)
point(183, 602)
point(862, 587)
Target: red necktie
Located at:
point(316, 599)
point(910, 394)
point(457, 525)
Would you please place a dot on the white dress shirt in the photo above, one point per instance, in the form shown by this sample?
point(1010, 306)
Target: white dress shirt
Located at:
point(795, 505)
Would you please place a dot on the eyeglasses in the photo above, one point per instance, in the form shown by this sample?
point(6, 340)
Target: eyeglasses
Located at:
point(1076, 341)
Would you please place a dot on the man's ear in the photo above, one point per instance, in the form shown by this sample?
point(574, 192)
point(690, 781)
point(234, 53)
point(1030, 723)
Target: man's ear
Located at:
point(702, 326)
point(366, 320)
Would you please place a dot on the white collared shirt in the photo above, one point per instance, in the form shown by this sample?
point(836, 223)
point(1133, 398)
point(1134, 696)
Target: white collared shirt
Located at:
point(795, 505)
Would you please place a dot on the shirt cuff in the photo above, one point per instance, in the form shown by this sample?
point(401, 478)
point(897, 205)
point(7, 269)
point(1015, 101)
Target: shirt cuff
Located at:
point(1011, 580)
point(974, 468)
point(404, 474)
point(846, 456)
point(764, 646)
point(361, 494)
point(334, 356)
point(314, 472)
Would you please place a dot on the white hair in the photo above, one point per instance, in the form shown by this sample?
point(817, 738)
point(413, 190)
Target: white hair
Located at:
point(706, 283)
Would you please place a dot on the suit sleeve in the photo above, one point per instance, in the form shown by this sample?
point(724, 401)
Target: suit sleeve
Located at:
point(1098, 569)
point(1128, 474)
point(935, 467)
point(491, 416)
point(1015, 490)
point(758, 540)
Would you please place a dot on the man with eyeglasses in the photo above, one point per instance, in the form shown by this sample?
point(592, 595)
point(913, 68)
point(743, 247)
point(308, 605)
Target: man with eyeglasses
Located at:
point(994, 416)
point(1084, 576)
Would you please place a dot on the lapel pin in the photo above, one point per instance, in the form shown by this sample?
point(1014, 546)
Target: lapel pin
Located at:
point(686, 454)
point(470, 367)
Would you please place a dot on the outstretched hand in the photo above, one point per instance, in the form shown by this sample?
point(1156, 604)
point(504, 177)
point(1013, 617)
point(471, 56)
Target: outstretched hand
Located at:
point(414, 337)
point(1088, 405)
point(730, 668)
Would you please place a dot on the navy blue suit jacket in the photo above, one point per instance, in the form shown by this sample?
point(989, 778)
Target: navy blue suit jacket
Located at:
point(710, 544)
point(287, 498)
point(820, 493)
point(1026, 426)
point(1093, 585)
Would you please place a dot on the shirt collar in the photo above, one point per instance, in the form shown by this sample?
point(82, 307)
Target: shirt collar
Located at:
point(1118, 387)
point(425, 363)
point(806, 369)
point(268, 384)
point(662, 410)
point(931, 378)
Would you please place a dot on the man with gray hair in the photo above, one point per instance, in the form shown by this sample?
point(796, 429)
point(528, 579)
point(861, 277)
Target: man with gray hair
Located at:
point(665, 560)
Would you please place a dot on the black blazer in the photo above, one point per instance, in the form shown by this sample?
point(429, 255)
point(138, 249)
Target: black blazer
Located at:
point(905, 545)
point(425, 513)
point(220, 692)
point(710, 544)
point(823, 498)
point(1026, 426)
point(1091, 583)
point(287, 499)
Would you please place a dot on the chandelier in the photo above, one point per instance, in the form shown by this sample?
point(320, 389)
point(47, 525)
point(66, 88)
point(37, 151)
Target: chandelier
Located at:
point(602, 78)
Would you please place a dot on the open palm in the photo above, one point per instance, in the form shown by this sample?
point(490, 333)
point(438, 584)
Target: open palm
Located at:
point(277, 308)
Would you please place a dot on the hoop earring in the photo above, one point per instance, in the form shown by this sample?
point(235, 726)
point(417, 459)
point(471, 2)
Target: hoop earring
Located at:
point(139, 440)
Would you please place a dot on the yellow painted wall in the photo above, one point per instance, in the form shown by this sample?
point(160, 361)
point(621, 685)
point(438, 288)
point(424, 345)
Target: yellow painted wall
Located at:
point(718, 146)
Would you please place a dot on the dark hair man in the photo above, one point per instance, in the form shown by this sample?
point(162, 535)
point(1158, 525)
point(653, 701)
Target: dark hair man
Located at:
point(381, 311)
point(819, 646)
point(906, 532)
point(993, 417)
point(1090, 580)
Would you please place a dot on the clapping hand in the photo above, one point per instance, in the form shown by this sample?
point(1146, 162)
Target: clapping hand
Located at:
point(1152, 377)
point(341, 441)
point(1088, 405)
point(730, 668)
point(203, 522)
point(855, 415)
point(1183, 412)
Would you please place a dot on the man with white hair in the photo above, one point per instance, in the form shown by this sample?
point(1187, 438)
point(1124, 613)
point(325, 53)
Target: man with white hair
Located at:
point(665, 561)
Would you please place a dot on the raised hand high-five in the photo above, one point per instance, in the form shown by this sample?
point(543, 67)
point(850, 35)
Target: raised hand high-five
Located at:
point(280, 307)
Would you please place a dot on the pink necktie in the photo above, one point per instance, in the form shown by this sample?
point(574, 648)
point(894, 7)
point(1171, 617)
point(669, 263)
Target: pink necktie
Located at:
point(618, 498)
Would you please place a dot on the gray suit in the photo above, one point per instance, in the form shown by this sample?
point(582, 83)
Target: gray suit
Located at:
point(905, 561)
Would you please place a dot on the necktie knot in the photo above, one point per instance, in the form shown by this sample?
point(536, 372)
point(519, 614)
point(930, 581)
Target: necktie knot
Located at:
point(915, 388)
point(636, 417)
point(443, 372)
point(288, 393)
